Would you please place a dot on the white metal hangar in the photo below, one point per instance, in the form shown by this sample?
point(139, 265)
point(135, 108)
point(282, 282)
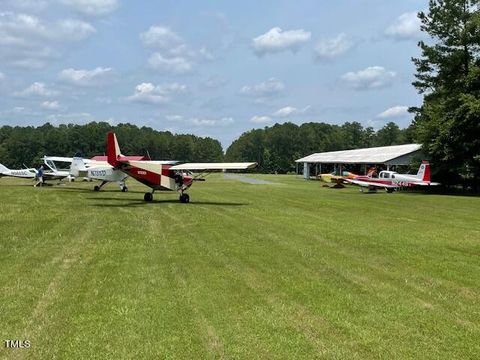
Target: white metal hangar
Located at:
point(384, 155)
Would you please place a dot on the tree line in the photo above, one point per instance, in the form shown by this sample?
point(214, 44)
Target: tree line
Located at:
point(274, 148)
point(21, 146)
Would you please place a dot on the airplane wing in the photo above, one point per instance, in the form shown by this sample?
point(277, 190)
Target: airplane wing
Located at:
point(55, 175)
point(214, 166)
point(58, 158)
point(370, 183)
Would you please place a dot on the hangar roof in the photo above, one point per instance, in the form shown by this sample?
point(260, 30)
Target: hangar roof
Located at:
point(375, 155)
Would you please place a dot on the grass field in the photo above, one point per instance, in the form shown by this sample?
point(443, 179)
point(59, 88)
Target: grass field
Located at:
point(289, 270)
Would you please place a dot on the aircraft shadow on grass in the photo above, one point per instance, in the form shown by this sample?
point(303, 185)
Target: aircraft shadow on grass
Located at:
point(131, 203)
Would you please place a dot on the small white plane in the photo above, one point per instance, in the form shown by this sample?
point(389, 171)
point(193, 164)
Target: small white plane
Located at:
point(391, 180)
point(52, 172)
point(27, 173)
point(98, 170)
point(31, 173)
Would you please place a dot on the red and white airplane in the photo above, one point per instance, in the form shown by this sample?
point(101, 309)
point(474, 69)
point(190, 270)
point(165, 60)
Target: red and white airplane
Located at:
point(161, 176)
point(391, 180)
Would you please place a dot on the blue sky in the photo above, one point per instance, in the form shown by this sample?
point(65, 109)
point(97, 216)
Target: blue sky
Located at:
point(211, 68)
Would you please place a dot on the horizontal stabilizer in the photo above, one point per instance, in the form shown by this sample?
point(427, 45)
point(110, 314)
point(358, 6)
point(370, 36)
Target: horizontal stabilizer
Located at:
point(215, 166)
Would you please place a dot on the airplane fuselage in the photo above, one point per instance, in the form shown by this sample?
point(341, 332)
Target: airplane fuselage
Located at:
point(106, 173)
point(392, 178)
point(157, 176)
point(24, 173)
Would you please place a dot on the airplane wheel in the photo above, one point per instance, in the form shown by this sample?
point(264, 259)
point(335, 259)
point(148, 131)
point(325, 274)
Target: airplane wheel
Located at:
point(184, 198)
point(389, 190)
point(148, 197)
point(124, 189)
point(96, 188)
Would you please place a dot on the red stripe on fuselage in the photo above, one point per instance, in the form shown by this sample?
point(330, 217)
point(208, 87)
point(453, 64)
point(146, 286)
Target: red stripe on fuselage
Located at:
point(146, 177)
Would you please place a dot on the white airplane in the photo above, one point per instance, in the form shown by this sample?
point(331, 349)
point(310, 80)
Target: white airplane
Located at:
point(391, 180)
point(98, 170)
point(52, 172)
point(28, 173)
point(31, 173)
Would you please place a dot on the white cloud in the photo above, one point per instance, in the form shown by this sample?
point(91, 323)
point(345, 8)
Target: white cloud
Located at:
point(50, 105)
point(160, 94)
point(82, 77)
point(289, 111)
point(211, 122)
point(176, 65)
point(92, 7)
point(276, 40)
point(19, 29)
point(406, 26)
point(264, 91)
point(373, 77)
point(30, 42)
point(175, 56)
point(272, 86)
point(37, 89)
point(174, 117)
point(2, 77)
point(327, 49)
point(260, 119)
point(30, 5)
point(160, 37)
point(71, 29)
point(393, 112)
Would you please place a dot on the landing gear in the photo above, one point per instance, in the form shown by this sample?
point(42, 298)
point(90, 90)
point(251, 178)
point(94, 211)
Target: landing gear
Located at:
point(123, 186)
point(148, 196)
point(389, 190)
point(184, 198)
point(98, 187)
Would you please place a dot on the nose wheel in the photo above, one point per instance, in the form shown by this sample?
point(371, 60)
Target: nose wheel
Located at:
point(148, 197)
point(184, 198)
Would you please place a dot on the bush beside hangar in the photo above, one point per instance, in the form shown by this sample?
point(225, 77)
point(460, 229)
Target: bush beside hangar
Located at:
point(387, 156)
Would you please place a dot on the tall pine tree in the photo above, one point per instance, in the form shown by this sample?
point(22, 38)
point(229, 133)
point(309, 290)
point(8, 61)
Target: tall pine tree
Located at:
point(448, 74)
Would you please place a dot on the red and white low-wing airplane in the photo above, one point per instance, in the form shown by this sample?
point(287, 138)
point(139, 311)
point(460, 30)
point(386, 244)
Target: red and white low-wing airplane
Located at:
point(162, 176)
point(391, 180)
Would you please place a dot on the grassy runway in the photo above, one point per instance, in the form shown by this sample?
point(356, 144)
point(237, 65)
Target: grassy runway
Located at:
point(288, 270)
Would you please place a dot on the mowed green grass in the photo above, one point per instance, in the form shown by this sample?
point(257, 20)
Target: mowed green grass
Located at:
point(291, 270)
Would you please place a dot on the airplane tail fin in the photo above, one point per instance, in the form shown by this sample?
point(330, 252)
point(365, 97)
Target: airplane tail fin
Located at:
point(424, 171)
point(77, 166)
point(3, 169)
point(113, 150)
